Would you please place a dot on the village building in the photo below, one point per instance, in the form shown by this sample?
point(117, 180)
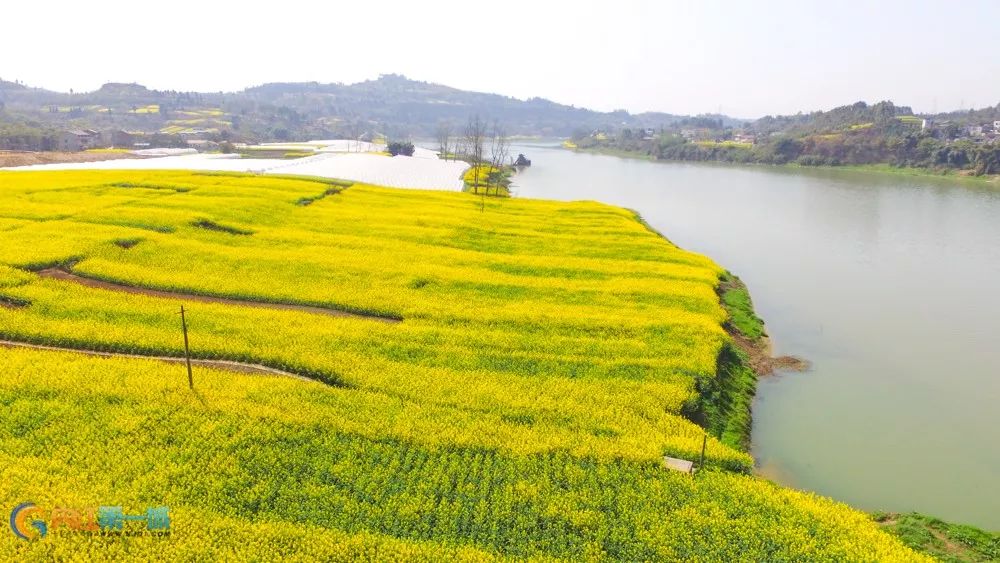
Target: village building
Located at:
point(697, 134)
point(117, 138)
point(78, 140)
point(202, 145)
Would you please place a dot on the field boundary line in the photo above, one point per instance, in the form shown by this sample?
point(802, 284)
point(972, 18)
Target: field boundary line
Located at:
point(67, 276)
point(228, 365)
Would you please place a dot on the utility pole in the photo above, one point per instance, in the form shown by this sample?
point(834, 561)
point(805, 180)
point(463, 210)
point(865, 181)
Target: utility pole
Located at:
point(704, 442)
point(187, 351)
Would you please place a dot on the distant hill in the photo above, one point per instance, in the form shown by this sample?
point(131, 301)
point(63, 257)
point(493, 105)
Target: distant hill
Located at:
point(5, 85)
point(861, 114)
point(121, 90)
point(392, 105)
point(831, 120)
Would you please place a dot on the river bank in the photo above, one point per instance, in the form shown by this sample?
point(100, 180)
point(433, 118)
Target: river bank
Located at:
point(728, 416)
point(992, 180)
point(944, 173)
point(726, 403)
point(939, 539)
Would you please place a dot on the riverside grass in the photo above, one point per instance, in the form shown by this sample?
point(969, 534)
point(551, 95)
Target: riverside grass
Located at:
point(520, 409)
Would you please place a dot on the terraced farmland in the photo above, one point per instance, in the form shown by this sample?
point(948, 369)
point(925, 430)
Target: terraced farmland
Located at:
point(192, 121)
point(506, 385)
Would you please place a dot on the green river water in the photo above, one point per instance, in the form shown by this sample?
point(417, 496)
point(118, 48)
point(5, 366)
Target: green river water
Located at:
point(888, 284)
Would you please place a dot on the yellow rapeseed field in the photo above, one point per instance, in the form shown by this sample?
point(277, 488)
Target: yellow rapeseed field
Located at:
point(510, 380)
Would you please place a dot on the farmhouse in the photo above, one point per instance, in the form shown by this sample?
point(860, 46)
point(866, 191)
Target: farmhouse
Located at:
point(202, 145)
point(78, 140)
point(117, 138)
point(697, 134)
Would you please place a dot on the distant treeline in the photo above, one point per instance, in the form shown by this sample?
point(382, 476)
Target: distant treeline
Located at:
point(22, 137)
point(916, 150)
point(851, 135)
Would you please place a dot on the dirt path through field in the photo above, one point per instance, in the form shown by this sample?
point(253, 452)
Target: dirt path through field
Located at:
point(58, 274)
point(240, 367)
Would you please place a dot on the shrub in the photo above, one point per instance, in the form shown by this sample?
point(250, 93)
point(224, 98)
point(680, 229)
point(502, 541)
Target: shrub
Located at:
point(397, 148)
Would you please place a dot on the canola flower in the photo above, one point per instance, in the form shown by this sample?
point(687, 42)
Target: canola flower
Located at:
point(521, 408)
point(269, 467)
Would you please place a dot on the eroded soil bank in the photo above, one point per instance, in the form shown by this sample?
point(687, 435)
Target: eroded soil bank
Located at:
point(19, 158)
point(724, 402)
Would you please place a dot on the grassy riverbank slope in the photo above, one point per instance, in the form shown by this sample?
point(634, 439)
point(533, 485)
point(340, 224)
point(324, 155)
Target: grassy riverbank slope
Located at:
point(508, 381)
point(936, 173)
point(953, 543)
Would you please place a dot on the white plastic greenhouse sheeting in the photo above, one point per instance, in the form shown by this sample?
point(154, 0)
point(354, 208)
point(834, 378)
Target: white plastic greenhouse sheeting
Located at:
point(395, 172)
point(338, 146)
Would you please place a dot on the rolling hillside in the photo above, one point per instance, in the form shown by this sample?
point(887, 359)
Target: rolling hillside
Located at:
point(392, 105)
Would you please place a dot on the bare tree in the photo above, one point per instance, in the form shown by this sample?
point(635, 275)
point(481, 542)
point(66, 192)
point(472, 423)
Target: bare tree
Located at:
point(499, 150)
point(353, 129)
point(475, 136)
point(444, 140)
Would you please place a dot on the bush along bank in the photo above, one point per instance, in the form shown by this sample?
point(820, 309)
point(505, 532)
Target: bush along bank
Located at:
point(722, 403)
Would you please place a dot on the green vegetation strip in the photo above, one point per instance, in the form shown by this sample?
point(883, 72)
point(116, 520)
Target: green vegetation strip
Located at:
point(955, 543)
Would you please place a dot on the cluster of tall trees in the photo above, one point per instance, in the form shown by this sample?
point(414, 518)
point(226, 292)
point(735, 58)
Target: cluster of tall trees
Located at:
point(918, 150)
point(19, 136)
point(921, 150)
point(486, 147)
point(400, 148)
point(915, 149)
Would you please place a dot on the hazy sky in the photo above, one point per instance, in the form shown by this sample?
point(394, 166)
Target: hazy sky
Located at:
point(746, 58)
